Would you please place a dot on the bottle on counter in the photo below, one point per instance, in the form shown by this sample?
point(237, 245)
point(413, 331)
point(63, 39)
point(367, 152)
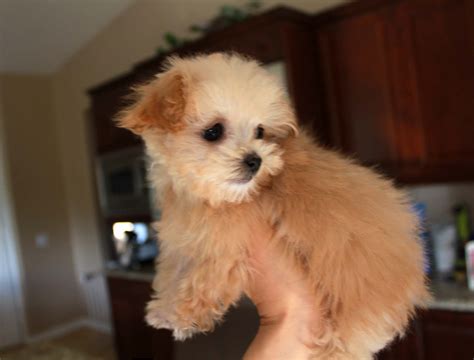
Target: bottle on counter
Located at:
point(470, 263)
point(463, 232)
point(425, 237)
point(444, 249)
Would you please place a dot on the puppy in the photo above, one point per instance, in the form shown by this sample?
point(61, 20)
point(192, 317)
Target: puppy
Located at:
point(231, 165)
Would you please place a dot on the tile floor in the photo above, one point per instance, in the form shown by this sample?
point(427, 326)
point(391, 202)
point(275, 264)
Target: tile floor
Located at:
point(81, 344)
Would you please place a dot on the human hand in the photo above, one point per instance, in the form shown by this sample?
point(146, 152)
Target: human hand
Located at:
point(286, 305)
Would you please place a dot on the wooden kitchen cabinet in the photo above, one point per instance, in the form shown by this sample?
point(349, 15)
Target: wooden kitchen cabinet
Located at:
point(409, 347)
point(388, 81)
point(448, 335)
point(107, 100)
point(134, 339)
point(399, 82)
point(435, 335)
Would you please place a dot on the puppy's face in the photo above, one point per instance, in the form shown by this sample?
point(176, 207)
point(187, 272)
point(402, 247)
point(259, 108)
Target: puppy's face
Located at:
point(216, 124)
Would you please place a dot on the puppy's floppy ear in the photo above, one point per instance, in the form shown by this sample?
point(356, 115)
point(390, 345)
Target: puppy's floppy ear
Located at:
point(288, 125)
point(160, 103)
point(292, 126)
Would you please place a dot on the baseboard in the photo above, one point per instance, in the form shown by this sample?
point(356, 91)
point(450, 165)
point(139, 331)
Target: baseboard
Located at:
point(99, 326)
point(56, 331)
point(60, 330)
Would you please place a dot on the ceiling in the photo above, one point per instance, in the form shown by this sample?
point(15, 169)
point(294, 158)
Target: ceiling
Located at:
point(38, 36)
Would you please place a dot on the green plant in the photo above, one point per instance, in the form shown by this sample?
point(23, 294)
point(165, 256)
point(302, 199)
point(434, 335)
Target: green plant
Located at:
point(226, 16)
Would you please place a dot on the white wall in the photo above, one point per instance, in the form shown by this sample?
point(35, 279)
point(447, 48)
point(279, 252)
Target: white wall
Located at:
point(11, 294)
point(38, 202)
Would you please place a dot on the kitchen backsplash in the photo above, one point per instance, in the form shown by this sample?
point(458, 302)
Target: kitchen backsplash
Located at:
point(441, 198)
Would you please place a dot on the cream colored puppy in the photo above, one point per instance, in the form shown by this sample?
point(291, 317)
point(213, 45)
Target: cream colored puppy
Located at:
point(230, 166)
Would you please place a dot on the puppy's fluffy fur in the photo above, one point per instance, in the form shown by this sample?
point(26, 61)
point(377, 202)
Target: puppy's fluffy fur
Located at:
point(347, 229)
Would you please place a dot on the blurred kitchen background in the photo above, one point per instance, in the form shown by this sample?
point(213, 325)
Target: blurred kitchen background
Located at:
point(389, 82)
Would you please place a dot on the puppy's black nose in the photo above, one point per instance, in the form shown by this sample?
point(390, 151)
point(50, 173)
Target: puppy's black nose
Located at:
point(253, 162)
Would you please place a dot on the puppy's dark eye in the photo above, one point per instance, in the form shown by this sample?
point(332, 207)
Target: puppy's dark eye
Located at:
point(259, 133)
point(214, 133)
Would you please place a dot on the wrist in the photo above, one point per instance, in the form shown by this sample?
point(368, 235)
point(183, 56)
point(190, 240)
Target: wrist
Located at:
point(282, 335)
point(278, 339)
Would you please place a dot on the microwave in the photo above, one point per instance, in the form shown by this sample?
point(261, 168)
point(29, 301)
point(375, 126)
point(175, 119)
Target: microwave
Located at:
point(122, 183)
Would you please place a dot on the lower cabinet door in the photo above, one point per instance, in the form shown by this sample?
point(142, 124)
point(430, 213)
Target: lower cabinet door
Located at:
point(134, 339)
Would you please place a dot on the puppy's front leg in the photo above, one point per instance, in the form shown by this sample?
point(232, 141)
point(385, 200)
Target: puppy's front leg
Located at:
point(170, 272)
point(190, 297)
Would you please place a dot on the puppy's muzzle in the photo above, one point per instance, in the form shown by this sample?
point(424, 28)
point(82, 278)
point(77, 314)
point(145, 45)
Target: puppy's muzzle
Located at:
point(252, 163)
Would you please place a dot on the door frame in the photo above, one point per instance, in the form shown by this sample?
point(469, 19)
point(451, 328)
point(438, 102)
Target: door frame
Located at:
point(9, 236)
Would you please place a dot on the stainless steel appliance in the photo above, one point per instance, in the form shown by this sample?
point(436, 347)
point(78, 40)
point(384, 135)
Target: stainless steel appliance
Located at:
point(123, 188)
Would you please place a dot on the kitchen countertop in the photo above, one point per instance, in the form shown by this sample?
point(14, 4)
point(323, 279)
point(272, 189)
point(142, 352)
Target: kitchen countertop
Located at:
point(145, 274)
point(451, 296)
point(446, 295)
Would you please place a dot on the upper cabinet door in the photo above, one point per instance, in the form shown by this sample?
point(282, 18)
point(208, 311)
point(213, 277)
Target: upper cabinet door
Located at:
point(357, 77)
point(440, 52)
point(107, 101)
point(399, 80)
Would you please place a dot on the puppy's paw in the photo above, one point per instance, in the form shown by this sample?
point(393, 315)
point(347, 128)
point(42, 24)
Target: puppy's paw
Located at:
point(158, 318)
point(184, 333)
